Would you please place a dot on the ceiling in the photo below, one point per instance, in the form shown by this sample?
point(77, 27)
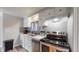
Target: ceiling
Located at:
point(22, 11)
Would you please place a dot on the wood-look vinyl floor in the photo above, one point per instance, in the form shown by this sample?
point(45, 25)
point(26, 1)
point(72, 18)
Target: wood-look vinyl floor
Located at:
point(18, 49)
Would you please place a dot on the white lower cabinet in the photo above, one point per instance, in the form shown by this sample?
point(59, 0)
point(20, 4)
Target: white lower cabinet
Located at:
point(22, 43)
point(26, 42)
point(22, 40)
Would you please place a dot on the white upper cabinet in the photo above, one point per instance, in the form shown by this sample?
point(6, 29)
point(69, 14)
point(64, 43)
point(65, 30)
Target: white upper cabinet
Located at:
point(52, 12)
point(25, 22)
point(59, 11)
point(35, 17)
point(46, 13)
point(42, 14)
point(28, 20)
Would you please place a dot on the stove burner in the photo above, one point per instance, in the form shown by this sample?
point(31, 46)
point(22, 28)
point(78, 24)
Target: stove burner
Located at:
point(56, 42)
point(60, 40)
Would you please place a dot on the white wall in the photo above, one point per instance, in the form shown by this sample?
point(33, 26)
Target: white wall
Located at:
point(70, 31)
point(11, 28)
point(1, 30)
point(76, 29)
point(0, 27)
point(58, 26)
point(78, 26)
point(74, 38)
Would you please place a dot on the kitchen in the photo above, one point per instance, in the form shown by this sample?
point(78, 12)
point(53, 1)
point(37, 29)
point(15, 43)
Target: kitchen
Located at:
point(40, 29)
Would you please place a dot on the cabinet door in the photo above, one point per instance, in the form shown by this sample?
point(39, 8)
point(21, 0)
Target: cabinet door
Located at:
point(25, 42)
point(50, 13)
point(42, 15)
point(45, 48)
point(35, 17)
point(28, 43)
point(48, 48)
point(47, 13)
point(22, 40)
point(60, 11)
point(26, 22)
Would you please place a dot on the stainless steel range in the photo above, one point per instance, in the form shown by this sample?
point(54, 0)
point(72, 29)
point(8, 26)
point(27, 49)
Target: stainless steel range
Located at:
point(55, 40)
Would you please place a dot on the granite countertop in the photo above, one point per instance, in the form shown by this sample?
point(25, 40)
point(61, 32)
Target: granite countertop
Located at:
point(34, 37)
